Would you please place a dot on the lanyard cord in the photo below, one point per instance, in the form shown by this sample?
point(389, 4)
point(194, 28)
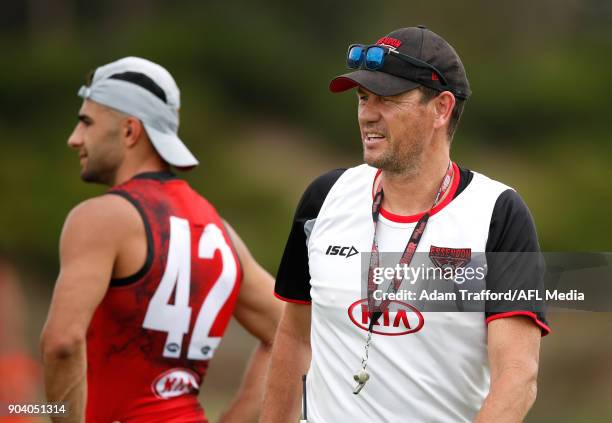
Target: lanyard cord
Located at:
point(377, 310)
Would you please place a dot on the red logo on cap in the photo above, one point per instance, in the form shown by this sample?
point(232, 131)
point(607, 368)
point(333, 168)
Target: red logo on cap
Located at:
point(388, 41)
point(434, 77)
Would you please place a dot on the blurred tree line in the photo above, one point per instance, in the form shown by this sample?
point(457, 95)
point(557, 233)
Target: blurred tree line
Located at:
point(257, 112)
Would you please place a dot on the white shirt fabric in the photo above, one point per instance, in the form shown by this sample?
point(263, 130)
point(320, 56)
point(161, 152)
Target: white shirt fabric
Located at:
point(437, 374)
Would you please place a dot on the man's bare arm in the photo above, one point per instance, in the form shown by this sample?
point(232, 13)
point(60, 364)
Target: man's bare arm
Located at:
point(258, 311)
point(290, 360)
point(514, 350)
point(88, 248)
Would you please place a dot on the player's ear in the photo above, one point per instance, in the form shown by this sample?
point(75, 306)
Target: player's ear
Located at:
point(131, 130)
point(443, 108)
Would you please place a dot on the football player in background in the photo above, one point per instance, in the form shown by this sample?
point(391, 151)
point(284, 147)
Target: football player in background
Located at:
point(150, 273)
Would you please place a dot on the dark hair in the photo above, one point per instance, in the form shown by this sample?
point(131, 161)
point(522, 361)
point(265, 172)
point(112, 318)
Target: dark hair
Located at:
point(427, 94)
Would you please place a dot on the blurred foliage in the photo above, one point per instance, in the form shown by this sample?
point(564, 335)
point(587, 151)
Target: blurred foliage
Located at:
point(257, 112)
point(537, 119)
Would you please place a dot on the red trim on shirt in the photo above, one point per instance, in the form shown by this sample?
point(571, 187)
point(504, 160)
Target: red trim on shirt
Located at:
point(542, 325)
point(415, 217)
point(289, 300)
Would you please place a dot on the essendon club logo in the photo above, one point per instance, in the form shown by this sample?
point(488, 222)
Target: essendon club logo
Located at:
point(389, 41)
point(453, 258)
point(402, 320)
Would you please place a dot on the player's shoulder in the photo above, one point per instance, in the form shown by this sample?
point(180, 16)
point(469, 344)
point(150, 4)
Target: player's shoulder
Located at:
point(105, 214)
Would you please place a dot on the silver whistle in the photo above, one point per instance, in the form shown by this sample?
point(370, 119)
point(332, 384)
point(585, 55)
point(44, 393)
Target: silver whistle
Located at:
point(361, 378)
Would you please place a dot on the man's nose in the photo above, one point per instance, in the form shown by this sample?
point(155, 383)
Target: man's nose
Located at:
point(75, 140)
point(369, 111)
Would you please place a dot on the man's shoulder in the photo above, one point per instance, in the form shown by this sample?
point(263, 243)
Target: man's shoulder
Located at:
point(325, 182)
point(102, 207)
point(487, 182)
point(102, 216)
point(510, 220)
point(315, 194)
point(502, 201)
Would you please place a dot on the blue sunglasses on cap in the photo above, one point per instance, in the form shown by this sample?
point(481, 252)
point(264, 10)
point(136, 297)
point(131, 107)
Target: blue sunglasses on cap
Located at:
point(372, 57)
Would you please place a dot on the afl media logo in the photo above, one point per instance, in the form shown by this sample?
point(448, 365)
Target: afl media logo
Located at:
point(174, 383)
point(403, 320)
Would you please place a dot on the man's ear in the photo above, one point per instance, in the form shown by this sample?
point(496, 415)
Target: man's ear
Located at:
point(131, 130)
point(443, 108)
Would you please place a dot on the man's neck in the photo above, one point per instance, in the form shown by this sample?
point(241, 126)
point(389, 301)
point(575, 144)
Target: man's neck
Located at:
point(413, 193)
point(128, 172)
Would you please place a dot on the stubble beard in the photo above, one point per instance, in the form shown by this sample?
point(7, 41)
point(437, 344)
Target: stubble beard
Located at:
point(103, 176)
point(398, 160)
point(101, 168)
point(103, 159)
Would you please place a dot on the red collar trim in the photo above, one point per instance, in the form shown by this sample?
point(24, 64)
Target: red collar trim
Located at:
point(415, 217)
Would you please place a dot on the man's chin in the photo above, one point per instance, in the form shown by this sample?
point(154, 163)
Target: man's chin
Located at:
point(374, 160)
point(91, 177)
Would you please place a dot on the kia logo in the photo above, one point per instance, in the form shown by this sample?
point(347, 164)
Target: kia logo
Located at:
point(404, 320)
point(175, 382)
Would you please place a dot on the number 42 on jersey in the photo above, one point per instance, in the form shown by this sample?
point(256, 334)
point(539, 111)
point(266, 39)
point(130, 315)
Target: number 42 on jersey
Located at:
point(175, 319)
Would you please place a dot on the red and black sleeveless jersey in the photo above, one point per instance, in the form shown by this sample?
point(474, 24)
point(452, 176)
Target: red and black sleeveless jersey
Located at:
point(150, 339)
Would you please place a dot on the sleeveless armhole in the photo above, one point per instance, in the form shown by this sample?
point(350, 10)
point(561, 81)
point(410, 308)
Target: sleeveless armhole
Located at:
point(235, 250)
point(128, 280)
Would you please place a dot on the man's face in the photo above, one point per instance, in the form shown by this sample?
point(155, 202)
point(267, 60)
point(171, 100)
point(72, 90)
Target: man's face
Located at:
point(394, 130)
point(97, 139)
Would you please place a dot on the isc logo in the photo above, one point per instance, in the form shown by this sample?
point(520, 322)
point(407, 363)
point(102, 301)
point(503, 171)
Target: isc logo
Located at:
point(406, 319)
point(338, 250)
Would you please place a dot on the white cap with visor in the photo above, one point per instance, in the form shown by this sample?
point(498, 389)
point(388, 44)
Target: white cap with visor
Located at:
point(143, 89)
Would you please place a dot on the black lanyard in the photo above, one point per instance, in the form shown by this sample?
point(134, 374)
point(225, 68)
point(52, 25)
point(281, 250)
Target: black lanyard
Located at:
point(377, 310)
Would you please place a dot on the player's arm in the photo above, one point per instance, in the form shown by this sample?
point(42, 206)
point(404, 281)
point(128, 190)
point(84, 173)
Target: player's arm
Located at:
point(514, 349)
point(88, 247)
point(290, 360)
point(258, 312)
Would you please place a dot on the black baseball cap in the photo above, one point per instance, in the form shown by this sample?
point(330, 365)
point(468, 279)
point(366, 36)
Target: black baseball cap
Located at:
point(398, 76)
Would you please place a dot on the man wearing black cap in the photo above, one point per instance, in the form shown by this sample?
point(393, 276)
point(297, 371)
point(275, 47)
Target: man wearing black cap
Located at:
point(150, 273)
point(366, 361)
